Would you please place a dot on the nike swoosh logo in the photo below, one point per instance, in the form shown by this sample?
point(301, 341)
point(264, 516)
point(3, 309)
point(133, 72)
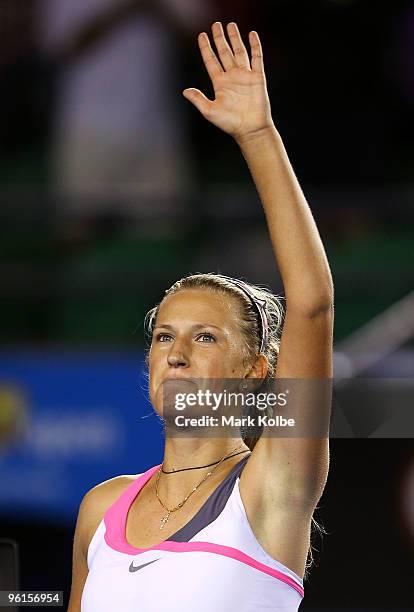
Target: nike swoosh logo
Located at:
point(135, 568)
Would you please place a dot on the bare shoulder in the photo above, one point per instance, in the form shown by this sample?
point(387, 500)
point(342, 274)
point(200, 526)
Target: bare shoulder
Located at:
point(102, 495)
point(97, 501)
point(92, 509)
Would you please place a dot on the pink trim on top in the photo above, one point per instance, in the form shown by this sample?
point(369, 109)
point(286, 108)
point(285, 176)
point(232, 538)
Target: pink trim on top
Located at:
point(116, 516)
point(115, 537)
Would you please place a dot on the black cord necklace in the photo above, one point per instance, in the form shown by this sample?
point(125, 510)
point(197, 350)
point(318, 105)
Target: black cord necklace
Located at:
point(203, 466)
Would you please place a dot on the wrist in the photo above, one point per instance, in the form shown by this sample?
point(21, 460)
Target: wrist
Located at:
point(257, 136)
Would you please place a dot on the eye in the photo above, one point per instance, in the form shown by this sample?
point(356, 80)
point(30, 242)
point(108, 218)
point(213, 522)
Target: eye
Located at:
point(163, 337)
point(210, 337)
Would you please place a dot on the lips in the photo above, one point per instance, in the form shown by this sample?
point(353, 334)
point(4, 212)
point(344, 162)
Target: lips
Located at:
point(189, 379)
point(180, 383)
point(184, 378)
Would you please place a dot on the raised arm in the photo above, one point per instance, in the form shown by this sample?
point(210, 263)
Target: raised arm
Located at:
point(293, 468)
point(242, 109)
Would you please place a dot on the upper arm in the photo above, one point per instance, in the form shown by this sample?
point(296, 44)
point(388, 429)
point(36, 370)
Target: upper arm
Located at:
point(79, 559)
point(306, 344)
point(91, 512)
point(295, 469)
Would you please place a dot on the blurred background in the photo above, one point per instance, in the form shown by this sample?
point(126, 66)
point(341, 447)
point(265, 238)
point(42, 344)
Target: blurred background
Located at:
point(112, 187)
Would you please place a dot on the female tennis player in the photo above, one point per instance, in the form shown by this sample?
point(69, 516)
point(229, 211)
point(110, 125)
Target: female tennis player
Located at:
point(223, 524)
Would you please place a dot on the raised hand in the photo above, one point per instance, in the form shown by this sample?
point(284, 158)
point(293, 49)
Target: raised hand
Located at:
point(241, 106)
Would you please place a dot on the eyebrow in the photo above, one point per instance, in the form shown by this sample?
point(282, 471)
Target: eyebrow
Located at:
point(195, 326)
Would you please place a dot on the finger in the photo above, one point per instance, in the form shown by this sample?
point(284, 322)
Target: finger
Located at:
point(257, 53)
point(200, 101)
point(210, 60)
point(239, 50)
point(224, 52)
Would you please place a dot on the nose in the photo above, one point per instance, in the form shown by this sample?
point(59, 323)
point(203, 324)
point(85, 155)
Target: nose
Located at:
point(176, 357)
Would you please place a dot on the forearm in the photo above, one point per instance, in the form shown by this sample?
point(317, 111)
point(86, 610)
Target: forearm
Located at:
point(295, 238)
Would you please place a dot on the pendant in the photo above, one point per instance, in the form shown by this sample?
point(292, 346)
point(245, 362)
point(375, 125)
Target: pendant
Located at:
point(165, 519)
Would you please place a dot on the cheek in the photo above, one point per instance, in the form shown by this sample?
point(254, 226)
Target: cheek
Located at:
point(154, 359)
point(155, 393)
point(152, 364)
point(227, 365)
point(236, 363)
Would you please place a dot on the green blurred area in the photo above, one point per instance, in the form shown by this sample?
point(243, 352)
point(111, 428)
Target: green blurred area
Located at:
point(99, 290)
point(370, 274)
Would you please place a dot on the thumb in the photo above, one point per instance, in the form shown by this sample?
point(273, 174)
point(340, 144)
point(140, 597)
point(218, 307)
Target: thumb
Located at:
point(200, 101)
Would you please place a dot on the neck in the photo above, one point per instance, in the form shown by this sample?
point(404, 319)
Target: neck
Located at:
point(190, 452)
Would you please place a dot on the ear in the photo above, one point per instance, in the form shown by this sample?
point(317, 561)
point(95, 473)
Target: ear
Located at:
point(259, 369)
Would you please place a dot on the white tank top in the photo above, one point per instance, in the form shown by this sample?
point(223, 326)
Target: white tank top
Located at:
point(213, 564)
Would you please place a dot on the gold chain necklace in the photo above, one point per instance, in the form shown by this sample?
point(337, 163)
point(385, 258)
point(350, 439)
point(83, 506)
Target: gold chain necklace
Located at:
point(193, 490)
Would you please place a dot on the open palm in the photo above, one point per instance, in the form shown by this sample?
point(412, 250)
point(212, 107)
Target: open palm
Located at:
point(241, 106)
